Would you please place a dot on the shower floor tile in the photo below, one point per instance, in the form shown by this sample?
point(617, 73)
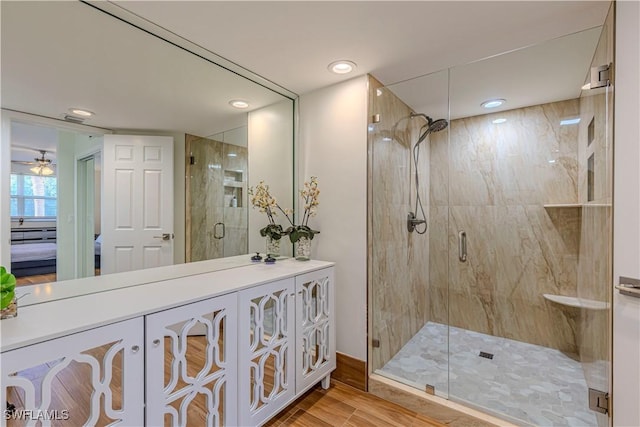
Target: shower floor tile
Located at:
point(524, 382)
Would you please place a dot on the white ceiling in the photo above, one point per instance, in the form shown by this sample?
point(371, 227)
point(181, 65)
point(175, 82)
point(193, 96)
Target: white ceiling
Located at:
point(57, 55)
point(292, 42)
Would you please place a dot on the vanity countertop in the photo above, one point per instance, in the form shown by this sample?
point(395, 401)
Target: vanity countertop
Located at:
point(55, 311)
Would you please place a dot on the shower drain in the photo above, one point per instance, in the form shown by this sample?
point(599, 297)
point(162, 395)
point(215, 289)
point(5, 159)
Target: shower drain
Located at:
point(486, 355)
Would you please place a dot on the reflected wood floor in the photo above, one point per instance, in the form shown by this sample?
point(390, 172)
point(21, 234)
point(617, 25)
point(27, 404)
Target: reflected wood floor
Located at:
point(343, 405)
point(41, 278)
point(37, 279)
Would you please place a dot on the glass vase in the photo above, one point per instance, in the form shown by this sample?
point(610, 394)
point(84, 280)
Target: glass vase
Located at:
point(303, 249)
point(273, 247)
point(11, 311)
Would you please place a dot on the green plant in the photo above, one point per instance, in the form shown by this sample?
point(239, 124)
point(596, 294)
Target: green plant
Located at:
point(7, 288)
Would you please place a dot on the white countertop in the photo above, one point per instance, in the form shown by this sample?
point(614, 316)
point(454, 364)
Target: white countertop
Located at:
point(59, 313)
point(45, 292)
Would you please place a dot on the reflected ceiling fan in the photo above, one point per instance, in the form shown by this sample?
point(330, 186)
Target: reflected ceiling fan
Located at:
point(42, 165)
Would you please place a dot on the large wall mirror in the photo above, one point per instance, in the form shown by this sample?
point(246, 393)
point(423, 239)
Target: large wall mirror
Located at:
point(162, 158)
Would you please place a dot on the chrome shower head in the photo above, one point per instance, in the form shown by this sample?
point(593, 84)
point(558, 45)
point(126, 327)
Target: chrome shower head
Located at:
point(432, 125)
point(438, 125)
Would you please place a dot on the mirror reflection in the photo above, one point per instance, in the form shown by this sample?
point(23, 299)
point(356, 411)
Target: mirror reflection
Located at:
point(127, 152)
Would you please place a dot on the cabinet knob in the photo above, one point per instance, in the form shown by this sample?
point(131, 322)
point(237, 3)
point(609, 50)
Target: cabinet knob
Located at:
point(156, 342)
point(135, 349)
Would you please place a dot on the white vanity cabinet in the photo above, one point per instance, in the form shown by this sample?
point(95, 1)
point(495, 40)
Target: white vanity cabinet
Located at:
point(194, 390)
point(286, 342)
point(266, 345)
point(315, 329)
point(95, 377)
point(235, 347)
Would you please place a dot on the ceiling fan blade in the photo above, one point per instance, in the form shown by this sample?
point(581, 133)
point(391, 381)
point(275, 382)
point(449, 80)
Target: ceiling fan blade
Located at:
point(20, 162)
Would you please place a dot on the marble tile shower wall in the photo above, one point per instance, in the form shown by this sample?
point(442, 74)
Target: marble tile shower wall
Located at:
point(207, 203)
point(492, 182)
point(399, 271)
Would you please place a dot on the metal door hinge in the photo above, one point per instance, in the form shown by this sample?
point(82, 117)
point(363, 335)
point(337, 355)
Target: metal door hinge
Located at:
point(600, 76)
point(430, 389)
point(192, 160)
point(375, 343)
point(598, 401)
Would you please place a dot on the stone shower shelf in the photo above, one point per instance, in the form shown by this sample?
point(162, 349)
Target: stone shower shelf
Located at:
point(577, 302)
point(575, 205)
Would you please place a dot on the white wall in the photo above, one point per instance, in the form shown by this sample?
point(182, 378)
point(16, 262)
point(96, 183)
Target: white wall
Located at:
point(66, 223)
point(5, 210)
point(626, 220)
point(270, 130)
point(333, 147)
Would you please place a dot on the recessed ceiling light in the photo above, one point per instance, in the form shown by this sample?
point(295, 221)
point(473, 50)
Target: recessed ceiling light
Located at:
point(499, 121)
point(239, 103)
point(342, 67)
point(493, 103)
point(80, 112)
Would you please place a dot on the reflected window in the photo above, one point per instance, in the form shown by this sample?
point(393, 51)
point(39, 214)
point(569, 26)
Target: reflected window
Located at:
point(33, 196)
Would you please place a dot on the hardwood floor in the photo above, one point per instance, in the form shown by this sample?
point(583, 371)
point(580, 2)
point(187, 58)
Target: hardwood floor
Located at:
point(343, 405)
point(37, 279)
point(41, 278)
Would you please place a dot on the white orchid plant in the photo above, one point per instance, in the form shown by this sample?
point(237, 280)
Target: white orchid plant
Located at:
point(265, 202)
point(262, 199)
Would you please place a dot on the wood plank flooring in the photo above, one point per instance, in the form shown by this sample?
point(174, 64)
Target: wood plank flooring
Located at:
point(41, 278)
point(343, 405)
point(37, 279)
point(340, 405)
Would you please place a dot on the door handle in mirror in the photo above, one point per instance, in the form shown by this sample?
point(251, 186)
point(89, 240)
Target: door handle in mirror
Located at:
point(164, 236)
point(215, 231)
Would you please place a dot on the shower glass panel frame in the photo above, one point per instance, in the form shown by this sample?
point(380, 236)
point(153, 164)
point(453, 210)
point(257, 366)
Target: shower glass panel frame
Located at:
point(405, 268)
point(504, 304)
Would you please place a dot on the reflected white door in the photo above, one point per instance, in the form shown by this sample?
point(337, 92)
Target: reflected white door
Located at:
point(137, 203)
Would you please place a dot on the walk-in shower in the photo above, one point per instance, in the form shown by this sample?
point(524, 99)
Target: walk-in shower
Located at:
point(518, 327)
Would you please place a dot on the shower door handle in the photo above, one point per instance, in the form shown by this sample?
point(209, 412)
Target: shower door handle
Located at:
point(462, 246)
point(215, 231)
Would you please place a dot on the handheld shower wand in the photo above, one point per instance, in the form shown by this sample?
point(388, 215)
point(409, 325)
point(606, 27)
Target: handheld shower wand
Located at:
point(413, 221)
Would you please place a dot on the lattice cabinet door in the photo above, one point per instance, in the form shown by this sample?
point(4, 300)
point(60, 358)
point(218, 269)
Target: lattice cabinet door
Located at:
point(315, 328)
point(192, 364)
point(265, 350)
point(89, 378)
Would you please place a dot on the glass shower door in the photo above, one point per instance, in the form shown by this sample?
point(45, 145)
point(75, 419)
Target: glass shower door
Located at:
point(529, 199)
point(216, 195)
point(408, 280)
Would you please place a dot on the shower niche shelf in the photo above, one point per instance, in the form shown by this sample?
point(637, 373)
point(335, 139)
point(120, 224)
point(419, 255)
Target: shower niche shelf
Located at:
point(577, 302)
point(563, 206)
point(576, 205)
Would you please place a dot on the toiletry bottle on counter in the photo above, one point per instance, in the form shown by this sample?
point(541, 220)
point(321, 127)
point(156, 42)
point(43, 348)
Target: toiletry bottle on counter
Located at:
point(234, 202)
